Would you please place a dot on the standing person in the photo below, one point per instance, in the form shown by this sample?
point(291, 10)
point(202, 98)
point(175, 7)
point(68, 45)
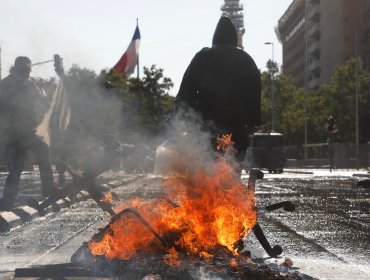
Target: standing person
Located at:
point(19, 100)
point(222, 83)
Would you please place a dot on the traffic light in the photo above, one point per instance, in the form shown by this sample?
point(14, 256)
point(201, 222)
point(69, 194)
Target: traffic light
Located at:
point(58, 65)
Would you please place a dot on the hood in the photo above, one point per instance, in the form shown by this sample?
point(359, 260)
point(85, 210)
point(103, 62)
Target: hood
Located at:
point(225, 33)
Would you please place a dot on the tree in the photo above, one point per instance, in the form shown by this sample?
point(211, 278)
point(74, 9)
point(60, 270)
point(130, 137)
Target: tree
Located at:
point(289, 104)
point(335, 99)
point(155, 101)
point(338, 99)
point(146, 101)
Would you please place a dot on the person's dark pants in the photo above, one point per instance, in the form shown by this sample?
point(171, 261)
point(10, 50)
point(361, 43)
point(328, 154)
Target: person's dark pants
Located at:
point(240, 139)
point(16, 150)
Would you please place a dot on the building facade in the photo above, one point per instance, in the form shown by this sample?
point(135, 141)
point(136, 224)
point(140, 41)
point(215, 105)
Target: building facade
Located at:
point(319, 35)
point(234, 10)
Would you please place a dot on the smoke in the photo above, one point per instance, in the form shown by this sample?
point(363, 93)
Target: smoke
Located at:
point(105, 133)
point(190, 139)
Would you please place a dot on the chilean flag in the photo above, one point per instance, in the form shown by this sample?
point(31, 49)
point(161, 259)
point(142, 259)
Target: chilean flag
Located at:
point(129, 59)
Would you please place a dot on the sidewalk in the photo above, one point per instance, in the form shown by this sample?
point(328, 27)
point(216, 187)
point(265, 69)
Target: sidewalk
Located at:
point(320, 172)
point(31, 188)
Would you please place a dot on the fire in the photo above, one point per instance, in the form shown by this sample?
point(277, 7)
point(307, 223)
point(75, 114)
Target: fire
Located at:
point(107, 198)
point(172, 258)
point(223, 142)
point(202, 211)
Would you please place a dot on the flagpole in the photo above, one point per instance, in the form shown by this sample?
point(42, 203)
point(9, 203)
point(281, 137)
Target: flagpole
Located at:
point(137, 69)
point(137, 66)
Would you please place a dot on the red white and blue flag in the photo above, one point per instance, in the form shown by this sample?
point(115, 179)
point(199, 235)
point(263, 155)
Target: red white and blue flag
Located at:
point(129, 59)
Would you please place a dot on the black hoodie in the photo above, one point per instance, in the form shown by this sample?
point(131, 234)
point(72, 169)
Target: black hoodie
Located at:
point(222, 83)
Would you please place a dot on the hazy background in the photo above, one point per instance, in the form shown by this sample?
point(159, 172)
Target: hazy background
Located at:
point(94, 34)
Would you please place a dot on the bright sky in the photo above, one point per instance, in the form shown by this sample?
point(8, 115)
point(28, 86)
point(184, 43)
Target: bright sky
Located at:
point(94, 33)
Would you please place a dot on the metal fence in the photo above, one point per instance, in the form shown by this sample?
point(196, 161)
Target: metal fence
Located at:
point(344, 155)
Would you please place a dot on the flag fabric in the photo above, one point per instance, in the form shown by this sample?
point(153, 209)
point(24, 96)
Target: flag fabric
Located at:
point(57, 118)
point(129, 59)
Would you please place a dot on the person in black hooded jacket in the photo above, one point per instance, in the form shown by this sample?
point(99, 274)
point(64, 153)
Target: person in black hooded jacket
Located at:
point(222, 83)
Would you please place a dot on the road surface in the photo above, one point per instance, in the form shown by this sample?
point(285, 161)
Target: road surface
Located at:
point(327, 237)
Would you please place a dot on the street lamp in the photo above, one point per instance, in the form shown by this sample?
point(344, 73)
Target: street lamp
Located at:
point(272, 89)
point(272, 44)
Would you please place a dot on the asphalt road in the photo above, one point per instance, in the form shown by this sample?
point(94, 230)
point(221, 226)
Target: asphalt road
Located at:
point(327, 237)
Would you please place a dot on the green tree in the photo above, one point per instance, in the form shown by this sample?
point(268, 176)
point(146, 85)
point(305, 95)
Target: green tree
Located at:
point(146, 101)
point(337, 99)
point(289, 110)
point(289, 104)
point(155, 101)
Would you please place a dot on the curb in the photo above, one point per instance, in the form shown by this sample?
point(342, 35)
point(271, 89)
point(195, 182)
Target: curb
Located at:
point(24, 214)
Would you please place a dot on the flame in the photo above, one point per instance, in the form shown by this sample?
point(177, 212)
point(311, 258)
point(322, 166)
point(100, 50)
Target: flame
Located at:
point(202, 210)
point(234, 263)
point(107, 198)
point(223, 141)
point(172, 258)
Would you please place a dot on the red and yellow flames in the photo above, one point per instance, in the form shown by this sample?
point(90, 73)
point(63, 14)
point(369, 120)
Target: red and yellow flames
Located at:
point(200, 213)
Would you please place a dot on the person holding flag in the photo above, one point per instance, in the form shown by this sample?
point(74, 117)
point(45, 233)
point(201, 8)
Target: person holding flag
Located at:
point(19, 100)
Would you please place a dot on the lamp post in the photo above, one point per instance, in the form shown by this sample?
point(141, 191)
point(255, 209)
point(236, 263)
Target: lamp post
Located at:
point(272, 44)
point(272, 89)
point(357, 90)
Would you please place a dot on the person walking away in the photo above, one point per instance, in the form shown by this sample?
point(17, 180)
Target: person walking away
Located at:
point(222, 83)
point(19, 101)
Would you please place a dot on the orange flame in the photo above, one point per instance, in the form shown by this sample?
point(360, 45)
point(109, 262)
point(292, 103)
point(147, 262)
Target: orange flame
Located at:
point(209, 209)
point(172, 258)
point(223, 141)
point(107, 198)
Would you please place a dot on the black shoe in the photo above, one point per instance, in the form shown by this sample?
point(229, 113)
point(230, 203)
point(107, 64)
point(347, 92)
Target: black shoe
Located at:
point(6, 204)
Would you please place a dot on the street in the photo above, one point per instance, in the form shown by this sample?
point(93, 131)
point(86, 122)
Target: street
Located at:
point(327, 237)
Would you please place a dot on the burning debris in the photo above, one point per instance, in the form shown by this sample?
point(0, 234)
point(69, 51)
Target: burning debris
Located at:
point(198, 225)
point(194, 230)
point(207, 210)
point(98, 161)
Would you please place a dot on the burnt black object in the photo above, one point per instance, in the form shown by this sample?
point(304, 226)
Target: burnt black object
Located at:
point(273, 252)
point(254, 175)
point(276, 250)
point(80, 181)
point(286, 205)
point(363, 183)
point(84, 256)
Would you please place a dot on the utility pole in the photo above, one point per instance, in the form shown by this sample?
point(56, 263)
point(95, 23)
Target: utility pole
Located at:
point(305, 77)
point(356, 94)
point(272, 89)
